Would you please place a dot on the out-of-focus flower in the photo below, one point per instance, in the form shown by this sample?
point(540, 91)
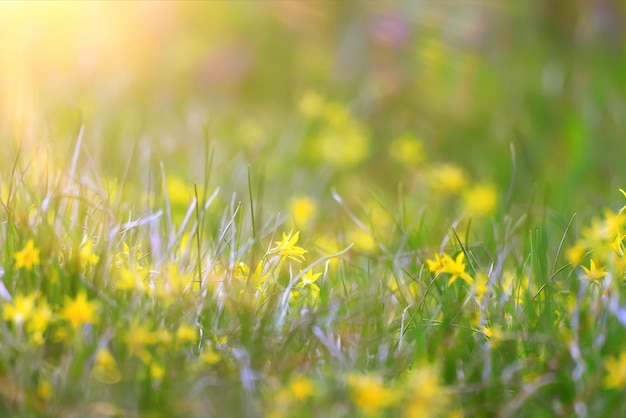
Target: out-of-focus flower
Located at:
point(302, 210)
point(79, 311)
point(616, 372)
point(480, 200)
point(593, 273)
point(27, 257)
point(369, 393)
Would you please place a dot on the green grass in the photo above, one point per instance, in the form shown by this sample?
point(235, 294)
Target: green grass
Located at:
point(437, 233)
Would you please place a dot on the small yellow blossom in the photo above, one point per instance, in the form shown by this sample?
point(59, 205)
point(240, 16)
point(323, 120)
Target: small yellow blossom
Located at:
point(21, 310)
point(287, 247)
point(480, 200)
point(178, 192)
point(301, 388)
point(186, 334)
point(616, 372)
point(308, 281)
point(157, 372)
point(454, 267)
point(369, 394)
point(302, 210)
point(575, 254)
point(39, 321)
point(363, 240)
point(593, 273)
point(407, 149)
point(79, 311)
point(618, 245)
point(448, 178)
point(437, 265)
point(613, 223)
point(27, 257)
point(128, 280)
point(87, 254)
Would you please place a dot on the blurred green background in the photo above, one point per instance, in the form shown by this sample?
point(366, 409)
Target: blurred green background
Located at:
point(313, 95)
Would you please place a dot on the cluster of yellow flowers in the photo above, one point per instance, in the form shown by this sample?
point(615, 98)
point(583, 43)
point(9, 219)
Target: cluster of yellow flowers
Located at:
point(603, 240)
point(33, 313)
point(455, 267)
point(419, 395)
point(269, 267)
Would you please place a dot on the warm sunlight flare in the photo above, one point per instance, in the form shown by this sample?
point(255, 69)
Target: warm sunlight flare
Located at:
point(280, 208)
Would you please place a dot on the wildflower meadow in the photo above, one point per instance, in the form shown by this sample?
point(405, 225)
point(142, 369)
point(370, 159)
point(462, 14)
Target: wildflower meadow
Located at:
point(280, 208)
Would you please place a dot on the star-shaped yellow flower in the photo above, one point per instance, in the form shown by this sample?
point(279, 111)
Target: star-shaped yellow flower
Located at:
point(593, 273)
point(287, 247)
point(79, 311)
point(27, 257)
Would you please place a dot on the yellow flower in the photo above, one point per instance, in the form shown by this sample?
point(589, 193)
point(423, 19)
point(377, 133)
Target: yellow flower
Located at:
point(27, 257)
point(437, 265)
point(618, 245)
point(186, 333)
point(593, 273)
point(302, 210)
point(369, 393)
point(448, 178)
point(308, 280)
point(178, 192)
point(480, 200)
point(287, 247)
point(79, 311)
point(87, 255)
point(613, 222)
point(156, 372)
point(128, 280)
point(21, 310)
point(616, 372)
point(454, 267)
point(457, 269)
point(363, 240)
point(39, 321)
point(301, 388)
point(407, 149)
point(575, 254)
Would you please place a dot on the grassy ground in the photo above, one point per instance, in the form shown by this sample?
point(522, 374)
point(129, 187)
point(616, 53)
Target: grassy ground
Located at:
point(348, 210)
